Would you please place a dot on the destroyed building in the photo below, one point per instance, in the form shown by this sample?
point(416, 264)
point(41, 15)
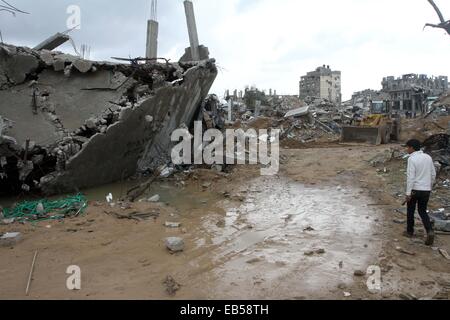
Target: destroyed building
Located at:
point(410, 92)
point(68, 123)
point(323, 83)
point(362, 99)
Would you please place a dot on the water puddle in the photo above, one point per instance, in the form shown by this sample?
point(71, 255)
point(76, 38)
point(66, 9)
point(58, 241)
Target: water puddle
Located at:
point(260, 250)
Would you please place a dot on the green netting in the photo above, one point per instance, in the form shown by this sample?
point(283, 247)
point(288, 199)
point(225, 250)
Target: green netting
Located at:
point(53, 210)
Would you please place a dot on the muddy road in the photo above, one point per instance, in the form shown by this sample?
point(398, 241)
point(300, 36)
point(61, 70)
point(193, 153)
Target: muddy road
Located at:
point(299, 235)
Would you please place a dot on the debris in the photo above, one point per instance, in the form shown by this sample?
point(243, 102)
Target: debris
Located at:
point(407, 296)
point(173, 225)
point(30, 277)
point(8, 221)
point(320, 251)
point(82, 65)
point(309, 229)
point(155, 198)
point(47, 210)
point(134, 215)
point(53, 42)
point(444, 253)
point(347, 294)
point(253, 261)
point(359, 273)
point(400, 249)
point(40, 209)
point(175, 244)
point(172, 287)
point(10, 239)
point(114, 100)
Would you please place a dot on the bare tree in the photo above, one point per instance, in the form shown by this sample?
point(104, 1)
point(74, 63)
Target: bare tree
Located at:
point(7, 7)
point(10, 8)
point(444, 24)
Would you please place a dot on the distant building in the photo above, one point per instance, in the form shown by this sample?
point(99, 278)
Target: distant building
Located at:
point(411, 91)
point(363, 99)
point(322, 83)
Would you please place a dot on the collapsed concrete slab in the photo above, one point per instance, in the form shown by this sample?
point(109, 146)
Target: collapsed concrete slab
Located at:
point(69, 124)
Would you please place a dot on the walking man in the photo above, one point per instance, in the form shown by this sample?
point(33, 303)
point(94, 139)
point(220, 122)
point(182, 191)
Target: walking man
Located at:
point(421, 178)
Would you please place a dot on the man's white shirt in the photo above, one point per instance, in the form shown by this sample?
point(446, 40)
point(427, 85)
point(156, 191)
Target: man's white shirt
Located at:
point(421, 173)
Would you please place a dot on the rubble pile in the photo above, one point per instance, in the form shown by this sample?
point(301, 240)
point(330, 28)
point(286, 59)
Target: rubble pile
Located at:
point(68, 123)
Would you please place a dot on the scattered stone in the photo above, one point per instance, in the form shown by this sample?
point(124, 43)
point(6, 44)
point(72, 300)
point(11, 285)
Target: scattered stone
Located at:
point(221, 224)
point(309, 253)
point(155, 198)
point(10, 239)
point(442, 295)
point(8, 221)
point(444, 253)
point(400, 249)
point(320, 251)
point(173, 225)
point(82, 65)
point(91, 124)
point(347, 294)
point(407, 296)
point(309, 229)
point(359, 273)
point(253, 261)
point(175, 244)
point(171, 286)
point(342, 286)
point(59, 65)
point(427, 283)
point(40, 208)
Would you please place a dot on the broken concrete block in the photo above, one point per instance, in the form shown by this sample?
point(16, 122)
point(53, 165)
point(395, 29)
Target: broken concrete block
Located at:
point(82, 65)
point(8, 221)
point(20, 66)
point(175, 244)
point(59, 65)
point(68, 70)
point(10, 239)
point(91, 124)
point(53, 42)
point(155, 198)
point(47, 57)
point(40, 208)
point(173, 225)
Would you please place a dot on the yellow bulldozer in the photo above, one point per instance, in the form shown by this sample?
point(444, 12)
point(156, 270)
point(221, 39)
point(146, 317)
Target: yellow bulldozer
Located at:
point(380, 127)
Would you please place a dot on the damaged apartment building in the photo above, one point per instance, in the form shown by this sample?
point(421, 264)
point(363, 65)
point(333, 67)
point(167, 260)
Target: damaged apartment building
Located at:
point(67, 123)
point(323, 83)
point(410, 92)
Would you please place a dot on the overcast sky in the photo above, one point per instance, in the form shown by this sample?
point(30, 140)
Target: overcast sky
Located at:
point(267, 43)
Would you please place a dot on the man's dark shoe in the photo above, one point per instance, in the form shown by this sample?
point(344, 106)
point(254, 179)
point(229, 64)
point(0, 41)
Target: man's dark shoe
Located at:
point(430, 239)
point(408, 235)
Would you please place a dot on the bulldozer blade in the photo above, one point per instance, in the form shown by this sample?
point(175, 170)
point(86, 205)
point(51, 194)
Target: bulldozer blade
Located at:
point(362, 134)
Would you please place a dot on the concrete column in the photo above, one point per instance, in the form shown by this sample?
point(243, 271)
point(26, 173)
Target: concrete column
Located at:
point(230, 111)
point(257, 108)
point(192, 29)
point(401, 105)
point(152, 39)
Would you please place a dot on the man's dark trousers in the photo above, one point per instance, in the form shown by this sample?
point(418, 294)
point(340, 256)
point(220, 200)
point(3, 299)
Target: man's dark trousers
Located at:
point(419, 199)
